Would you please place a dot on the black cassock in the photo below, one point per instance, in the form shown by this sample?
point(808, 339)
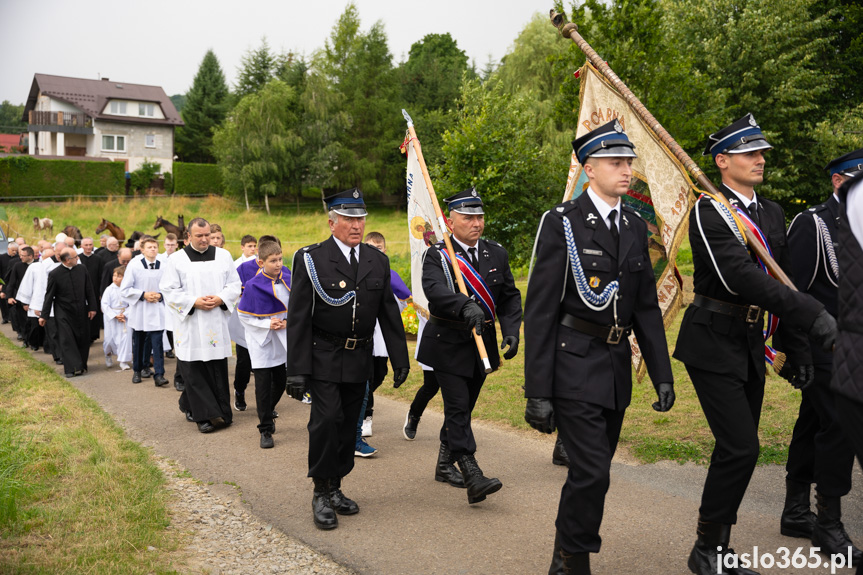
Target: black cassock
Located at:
point(94, 265)
point(17, 314)
point(71, 296)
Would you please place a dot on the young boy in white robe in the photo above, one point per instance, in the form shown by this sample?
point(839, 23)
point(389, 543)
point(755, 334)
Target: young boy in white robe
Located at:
point(263, 309)
point(118, 336)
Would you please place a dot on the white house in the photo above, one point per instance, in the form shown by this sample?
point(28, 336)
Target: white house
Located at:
point(74, 117)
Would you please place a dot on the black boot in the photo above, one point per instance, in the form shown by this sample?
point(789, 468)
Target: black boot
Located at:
point(559, 456)
point(563, 563)
point(322, 509)
point(797, 518)
point(703, 559)
point(829, 533)
point(446, 471)
point(341, 504)
point(478, 485)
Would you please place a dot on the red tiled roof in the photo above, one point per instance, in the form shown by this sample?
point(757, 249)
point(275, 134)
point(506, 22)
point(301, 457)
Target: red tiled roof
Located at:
point(91, 97)
point(8, 141)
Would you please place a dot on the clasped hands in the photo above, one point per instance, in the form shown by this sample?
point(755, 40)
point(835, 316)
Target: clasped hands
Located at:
point(208, 302)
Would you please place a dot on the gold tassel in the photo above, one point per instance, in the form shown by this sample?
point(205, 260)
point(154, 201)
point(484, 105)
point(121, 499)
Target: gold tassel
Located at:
point(779, 362)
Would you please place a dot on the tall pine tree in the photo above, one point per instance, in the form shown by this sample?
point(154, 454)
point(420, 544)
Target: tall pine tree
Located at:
point(205, 108)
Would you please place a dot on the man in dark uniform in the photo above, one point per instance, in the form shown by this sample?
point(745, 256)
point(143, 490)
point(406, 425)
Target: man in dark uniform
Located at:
point(7, 260)
point(94, 265)
point(592, 286)
point(339, 288)
point(447, 344)
point(71, 295)
point(721, 339)
point(16, 309)
point(819, 451)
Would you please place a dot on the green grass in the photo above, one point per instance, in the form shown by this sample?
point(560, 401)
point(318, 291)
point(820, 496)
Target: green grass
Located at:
point(76, 496)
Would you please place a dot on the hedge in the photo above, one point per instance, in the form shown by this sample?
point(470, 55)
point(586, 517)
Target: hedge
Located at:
point(197, 179)
point(26, 176)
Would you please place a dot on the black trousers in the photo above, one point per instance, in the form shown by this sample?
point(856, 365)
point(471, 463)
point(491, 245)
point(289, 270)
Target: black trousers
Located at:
point(4, 309)
point(459, 395)
point(18, 318)
point(74, 337)
point(850, 414)
point(269, 387)
point(35, 333)
point(820, 452)
point(732, 407)
point(96, 325)
point(52, 340)
point(425, 393)
point(589, 434)
point(206, 395)
point(333, 427)
point(243, 371)
point(379, 373)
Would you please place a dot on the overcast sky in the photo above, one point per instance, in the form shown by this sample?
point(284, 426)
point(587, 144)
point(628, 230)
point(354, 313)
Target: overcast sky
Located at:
point(161, 42)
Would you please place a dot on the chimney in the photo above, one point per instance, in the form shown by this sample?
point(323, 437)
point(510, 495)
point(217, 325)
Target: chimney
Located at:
point(106, 79)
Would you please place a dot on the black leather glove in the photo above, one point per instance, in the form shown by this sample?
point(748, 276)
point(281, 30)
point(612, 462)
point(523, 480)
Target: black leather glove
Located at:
point(539, 413)
point(665, 393)
point(297, 386)
point(804, 377)
point(788, 371)
point(512, 342)
point(473, 316)
point(824, 330)
point(400, 375)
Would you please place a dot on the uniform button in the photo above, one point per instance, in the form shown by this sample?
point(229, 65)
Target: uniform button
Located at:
point(620, 274)
point(563, 344)
point(593, 264)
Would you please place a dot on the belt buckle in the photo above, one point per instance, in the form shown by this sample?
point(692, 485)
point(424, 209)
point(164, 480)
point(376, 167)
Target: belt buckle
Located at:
point(350, 343)
point(752, 314)
point(615, 333)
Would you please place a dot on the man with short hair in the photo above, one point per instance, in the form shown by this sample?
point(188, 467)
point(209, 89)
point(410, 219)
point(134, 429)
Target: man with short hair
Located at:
point(110, 250)
point(579, 313)
point(447, 345)
point(16, 309)
point(32, 291)
point(103, 241)
point(171, 243)
point(71, 296)
point(339, 288)
point(7, 260)
point(721, 339)
point(123, 257)
point(201, 287)
point(94, 265)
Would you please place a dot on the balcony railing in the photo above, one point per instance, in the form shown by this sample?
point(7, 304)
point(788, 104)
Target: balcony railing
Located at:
point(67, 119)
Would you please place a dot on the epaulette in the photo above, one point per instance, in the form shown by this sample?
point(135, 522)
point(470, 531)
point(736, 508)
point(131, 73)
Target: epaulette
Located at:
point(493, 243)
point(563, 207)
point(631, 210)
point(819, 208)
point(311, 247)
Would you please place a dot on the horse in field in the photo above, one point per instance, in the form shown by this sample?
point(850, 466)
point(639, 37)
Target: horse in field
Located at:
point(41, 224)
point(136, 235)
point(74, 232)
point(169, 227)
point(115, 230)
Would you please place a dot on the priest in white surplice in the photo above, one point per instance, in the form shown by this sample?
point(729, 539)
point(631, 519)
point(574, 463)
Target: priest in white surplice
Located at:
point(201, 288)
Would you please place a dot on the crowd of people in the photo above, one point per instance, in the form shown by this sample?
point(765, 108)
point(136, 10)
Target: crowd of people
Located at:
point(324, 331)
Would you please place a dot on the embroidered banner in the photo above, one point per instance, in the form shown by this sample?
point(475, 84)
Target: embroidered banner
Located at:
point(661, 192)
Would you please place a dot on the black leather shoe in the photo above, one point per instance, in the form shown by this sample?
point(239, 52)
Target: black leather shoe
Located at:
point(322, 510)
point(445, 472)
point(160, 381)
point(136, 377)
point(58, 361)
point(266, 440)
point(146, 372)
point(797, 517)
point(189, 417)
point(340, 503)
point(829, 533)
point(275, 414)
point(410, 428)
point(559, 456)
point(69, 375)
point(713, 540)
point(239, 400)
point(179, 384)
point(206, 427)
point(478, 485)
point(170, 354)
point(563, 563)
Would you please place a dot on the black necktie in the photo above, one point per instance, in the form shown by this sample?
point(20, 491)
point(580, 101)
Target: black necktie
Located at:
point(612, 218)
point(472, 253)
point(354, 263)
point(753, 212)
point(152, 266)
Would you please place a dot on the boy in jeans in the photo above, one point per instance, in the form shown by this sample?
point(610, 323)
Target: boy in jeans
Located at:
point(263, 309)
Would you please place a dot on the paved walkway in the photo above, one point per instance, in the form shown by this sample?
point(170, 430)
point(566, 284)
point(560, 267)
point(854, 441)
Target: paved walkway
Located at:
point(409, 523)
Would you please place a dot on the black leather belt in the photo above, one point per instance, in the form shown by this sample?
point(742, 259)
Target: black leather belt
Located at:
point(612, 334)
point(453, 324)
point(748, 313)
point(346, 342)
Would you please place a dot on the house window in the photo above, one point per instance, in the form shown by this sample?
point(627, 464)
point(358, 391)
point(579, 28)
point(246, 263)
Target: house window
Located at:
point(146, 110)
point(113, 143)
point(118, 108)
point(150, 141)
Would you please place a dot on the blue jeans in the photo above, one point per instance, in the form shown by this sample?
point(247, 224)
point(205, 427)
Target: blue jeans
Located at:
point(140, 357)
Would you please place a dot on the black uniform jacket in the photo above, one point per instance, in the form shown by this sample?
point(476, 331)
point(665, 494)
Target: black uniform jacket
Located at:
point(450, 349)
point(14, 279)
point(565, 363)
point(70, 293)
point(813, 272)
point(308, 315)
point(726, 271)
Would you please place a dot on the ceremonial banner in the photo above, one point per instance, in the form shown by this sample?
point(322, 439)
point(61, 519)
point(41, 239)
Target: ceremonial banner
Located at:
point(423, 225)
point(661, 190)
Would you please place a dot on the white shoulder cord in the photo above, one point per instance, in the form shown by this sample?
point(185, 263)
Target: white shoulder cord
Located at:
point(721, 209)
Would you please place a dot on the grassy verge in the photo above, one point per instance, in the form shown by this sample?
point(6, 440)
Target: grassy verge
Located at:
point(76, 496)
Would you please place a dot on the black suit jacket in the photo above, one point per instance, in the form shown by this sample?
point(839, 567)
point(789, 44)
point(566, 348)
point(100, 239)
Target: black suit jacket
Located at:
point(94, 265)
point(309, 353)
point(453, 350)
point(70, 294)
point(7, 262)
point(813, 273)
point(566, 363)
point(725, 270)
point(15, 277)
